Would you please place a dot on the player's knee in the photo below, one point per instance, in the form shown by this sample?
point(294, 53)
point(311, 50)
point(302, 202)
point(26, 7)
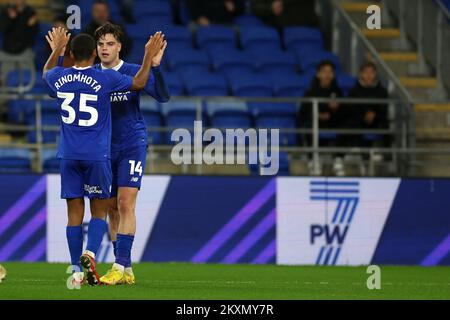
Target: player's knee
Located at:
point(125, 205)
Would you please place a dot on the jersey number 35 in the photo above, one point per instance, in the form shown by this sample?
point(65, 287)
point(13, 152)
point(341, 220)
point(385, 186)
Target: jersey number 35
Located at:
point(83, 108)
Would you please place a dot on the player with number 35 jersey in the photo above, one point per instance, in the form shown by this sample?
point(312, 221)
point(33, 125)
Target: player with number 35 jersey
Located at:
point(83, 95)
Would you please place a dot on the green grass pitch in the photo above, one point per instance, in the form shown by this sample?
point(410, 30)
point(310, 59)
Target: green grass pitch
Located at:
point(189, 281)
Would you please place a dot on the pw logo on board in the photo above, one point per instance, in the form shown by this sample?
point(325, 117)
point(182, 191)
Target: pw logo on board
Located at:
point(343, 199)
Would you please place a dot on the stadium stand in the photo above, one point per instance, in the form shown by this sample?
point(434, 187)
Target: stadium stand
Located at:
point(245, 59)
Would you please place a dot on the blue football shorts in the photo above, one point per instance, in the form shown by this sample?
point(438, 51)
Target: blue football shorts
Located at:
point(80, 178)
point(128, 167)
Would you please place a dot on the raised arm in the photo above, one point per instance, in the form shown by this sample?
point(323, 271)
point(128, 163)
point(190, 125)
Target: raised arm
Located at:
point(152, 48)
point(59, 38)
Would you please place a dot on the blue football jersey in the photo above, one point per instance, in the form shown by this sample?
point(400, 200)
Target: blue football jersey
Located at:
point(128, 125)
point(83, 95)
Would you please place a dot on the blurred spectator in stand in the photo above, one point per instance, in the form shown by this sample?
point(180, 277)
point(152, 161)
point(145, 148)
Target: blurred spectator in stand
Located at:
point(206, 12)
point(284, 13)
point(369, 116)
point(19, 26)
point(100, 16)
point(331, 115)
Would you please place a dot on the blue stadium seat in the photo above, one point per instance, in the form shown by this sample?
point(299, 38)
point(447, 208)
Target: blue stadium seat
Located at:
point(151, 112)
point(187, 59)
point(50, 162)
point(309, 60)
point(40, 87)
point(182, 114)
point(44, 28)
point(217, 106)
point(275, 62)
point(302, 36)
point(248, 20)
point(229, 115)
point(346, 82)
point(268, 109)
point(231, 60)
point(137, 52)
point(216, 37)
point(205, 84)
point(18, 110)
point(50, 117)
point(253, 38)
point(373, 137)
point(279, 122)
point(175, 83)
point(148, 10)
point(178, 36)
point(16, 78)
point(183, 119)
point(13, 160)
point(138, 32)
point(231, 120)
point(176, 105)
point(249, 85)
point(289, 85)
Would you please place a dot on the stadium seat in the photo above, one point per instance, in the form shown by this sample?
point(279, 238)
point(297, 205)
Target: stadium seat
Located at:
point(229, 114)
point(253, 38)
point(302, 37)
point(138, 32)
point(346, 82)
point(268, 109)
point(289, 85)
point(178, 36)
point(175, 83)
point(279, 122)
point(50, 162)
point(373, 137)
point(182, 113)
point(309, 60)
point(153, 119)
point(216, 106)
point(247, 84)
point(50, 117)
point(13, 160)
point(182, 119)
point(18, 110)
point(231, 120)
point(205, 84)
point(16, 78)
point(40, 87)
point(187, 60)
point(137, 52)
point(216, 37)
point(274, 62)
point(231, 60)
point(248, 20)
point(145, 10)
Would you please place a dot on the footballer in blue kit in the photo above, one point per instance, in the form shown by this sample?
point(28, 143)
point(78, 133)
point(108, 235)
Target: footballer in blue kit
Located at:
point(83, 94)
point(129, 141)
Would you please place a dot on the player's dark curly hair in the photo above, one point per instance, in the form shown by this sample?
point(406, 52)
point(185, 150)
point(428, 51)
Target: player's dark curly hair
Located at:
point(109, 28)
point(82, 46)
